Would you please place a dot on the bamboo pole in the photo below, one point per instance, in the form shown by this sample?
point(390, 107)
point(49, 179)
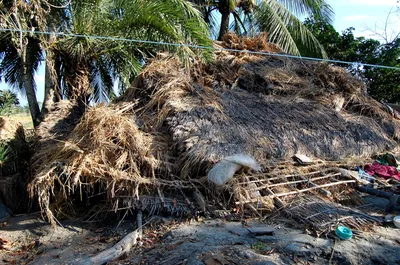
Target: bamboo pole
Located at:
point(285, 176)
point(303, 180)
point(299, 191)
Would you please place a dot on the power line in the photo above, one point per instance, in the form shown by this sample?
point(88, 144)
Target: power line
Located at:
point(197, 47)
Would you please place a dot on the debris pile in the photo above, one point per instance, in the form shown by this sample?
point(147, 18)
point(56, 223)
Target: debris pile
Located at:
point(264, 106)
point(321, 216)
point(104, 152)
point(152, 149)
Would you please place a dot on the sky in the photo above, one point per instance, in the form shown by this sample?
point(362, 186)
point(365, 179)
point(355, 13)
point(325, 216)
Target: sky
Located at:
point(366, 16)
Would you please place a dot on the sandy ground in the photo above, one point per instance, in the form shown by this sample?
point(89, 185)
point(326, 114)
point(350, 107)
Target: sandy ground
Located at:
point(27, 239)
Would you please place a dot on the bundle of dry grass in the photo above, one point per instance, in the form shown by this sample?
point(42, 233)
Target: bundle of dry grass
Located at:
point(14, 157)
point(105, 150)
point(258, 43)
point(264, 106)
point(60, 121)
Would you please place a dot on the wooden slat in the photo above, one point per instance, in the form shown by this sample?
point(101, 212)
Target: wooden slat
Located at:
point(299, 191)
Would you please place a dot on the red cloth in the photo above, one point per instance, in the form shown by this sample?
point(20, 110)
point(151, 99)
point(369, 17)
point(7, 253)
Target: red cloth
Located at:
point(382, 171)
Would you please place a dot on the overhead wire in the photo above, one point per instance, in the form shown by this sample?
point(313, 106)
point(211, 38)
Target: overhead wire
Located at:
point(194, 46)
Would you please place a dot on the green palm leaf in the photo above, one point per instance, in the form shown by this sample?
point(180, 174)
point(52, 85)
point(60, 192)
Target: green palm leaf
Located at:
point(285, 29)
point(107, 60)
point(319, 9)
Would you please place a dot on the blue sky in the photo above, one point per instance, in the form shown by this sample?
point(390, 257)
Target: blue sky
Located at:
point(366, 16)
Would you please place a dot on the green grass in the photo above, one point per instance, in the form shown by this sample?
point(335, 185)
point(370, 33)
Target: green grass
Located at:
point(24, 118)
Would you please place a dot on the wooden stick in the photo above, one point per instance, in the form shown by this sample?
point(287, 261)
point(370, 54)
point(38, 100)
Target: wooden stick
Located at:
point(298, 191)
point(161, 196)
point(285, 176)
point(199, 198)
point(316, 187)
point(277, 202)
point(117, 250)
point(251, 207)
point(322, 191)
point(303, 179)
point(139, 224)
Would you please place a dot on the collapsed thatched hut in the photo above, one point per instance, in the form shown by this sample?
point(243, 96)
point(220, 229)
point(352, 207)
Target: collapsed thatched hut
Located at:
point(175, 121)
point(265, 106)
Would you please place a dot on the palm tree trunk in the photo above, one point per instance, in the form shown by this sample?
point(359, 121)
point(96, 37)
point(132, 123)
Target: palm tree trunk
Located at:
point(50, 94)
point(225, 13)
point(79, 85)
point(28, 80)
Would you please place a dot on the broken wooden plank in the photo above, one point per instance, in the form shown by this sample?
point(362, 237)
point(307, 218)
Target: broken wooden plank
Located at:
point(303, 159)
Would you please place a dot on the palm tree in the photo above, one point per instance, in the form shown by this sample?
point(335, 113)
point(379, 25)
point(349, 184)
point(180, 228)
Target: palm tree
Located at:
point(278, 18)
point(87, 67)
point(81, 67)
point(21, 53)
point(8, 100)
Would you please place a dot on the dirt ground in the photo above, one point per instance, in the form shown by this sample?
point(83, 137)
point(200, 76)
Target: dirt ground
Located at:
point(27, 239)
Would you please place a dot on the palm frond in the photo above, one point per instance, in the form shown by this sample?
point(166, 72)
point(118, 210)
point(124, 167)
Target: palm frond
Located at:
point(11, 66)
point(319, 9)
point(175, 21)
point(237, 24)
point(285, 29)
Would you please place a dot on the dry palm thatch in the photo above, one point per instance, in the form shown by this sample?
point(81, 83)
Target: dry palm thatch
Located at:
point(105, 149)
point(183, 120)
point(265, 106)
point(14, 157)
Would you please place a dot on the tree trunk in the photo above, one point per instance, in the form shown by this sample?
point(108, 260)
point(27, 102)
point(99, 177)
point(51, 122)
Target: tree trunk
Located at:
point(79, 88)
point(50, 93)
point(28, 80)
point(225, 13)
point(50, 96)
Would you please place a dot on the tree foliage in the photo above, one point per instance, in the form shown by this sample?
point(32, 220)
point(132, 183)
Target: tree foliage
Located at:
point(8, 101)
point(95, 64)
point(382, 84)
point(81, 67)
point(21, 53)
point(280, 19)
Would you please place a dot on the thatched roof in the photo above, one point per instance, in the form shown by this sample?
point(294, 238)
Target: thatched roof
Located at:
point(265, 106)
